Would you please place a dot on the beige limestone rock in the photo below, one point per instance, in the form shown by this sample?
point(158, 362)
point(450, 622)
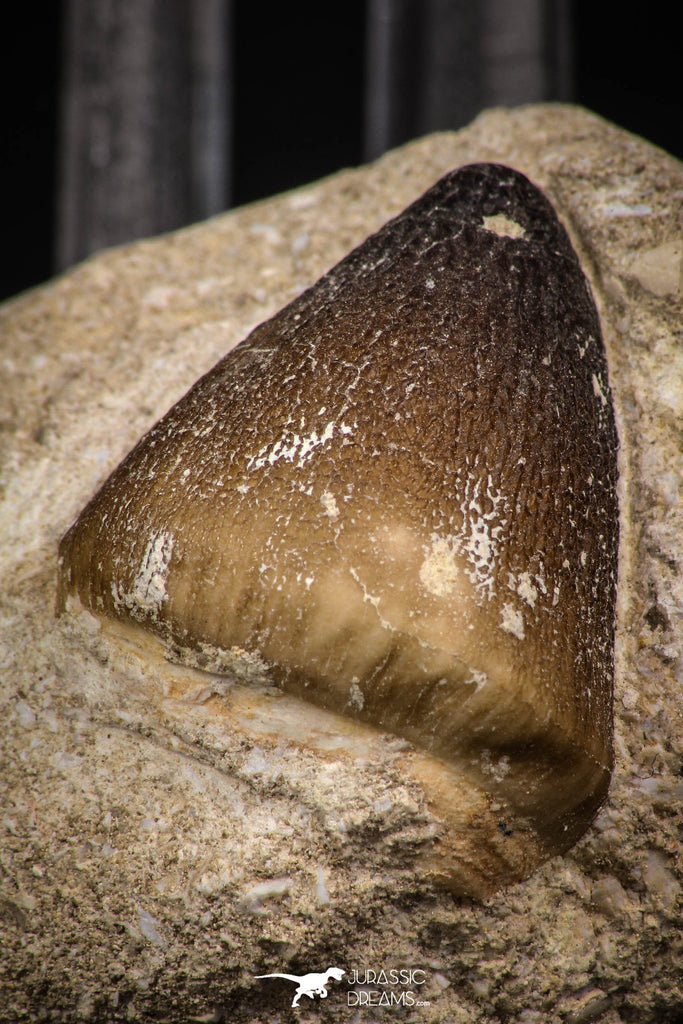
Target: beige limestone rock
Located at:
point(154, 854)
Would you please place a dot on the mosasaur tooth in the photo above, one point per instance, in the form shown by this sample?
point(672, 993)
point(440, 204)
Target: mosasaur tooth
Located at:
point(399, 496)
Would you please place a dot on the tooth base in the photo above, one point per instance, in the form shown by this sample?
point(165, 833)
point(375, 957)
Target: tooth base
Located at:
point(473, 843)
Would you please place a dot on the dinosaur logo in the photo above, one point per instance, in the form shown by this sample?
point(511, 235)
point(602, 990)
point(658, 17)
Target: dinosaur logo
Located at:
point(309, 984)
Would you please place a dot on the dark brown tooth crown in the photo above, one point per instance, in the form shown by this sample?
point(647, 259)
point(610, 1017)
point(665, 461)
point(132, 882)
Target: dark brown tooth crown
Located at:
point(399, 493)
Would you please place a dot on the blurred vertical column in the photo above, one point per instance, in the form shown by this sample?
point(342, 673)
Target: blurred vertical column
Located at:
point(145, 120)
point(433, 65)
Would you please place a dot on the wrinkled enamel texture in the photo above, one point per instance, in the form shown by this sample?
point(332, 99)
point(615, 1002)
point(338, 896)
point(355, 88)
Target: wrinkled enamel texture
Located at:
point(399, 496)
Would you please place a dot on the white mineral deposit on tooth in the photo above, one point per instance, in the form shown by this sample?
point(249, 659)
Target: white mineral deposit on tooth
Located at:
point(148, 592)
point(396, 500)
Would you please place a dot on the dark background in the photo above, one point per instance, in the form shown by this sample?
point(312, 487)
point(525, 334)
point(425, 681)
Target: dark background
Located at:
point(297, 105)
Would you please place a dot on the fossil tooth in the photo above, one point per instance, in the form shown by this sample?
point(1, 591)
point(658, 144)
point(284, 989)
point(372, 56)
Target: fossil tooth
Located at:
point(399, 496)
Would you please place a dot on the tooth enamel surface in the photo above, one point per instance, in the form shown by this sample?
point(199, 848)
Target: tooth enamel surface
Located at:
point(395, 500)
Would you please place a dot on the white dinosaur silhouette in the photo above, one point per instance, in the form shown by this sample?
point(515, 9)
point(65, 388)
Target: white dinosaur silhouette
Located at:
point(309, 984)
